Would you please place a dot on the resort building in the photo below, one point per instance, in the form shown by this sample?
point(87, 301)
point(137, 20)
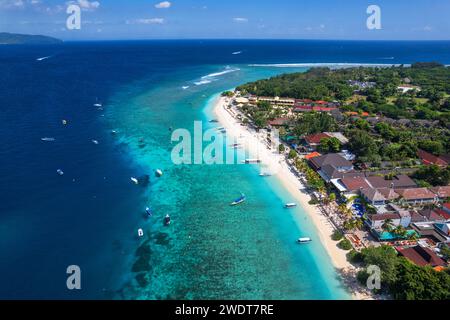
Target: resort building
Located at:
point(430, 232)
point(333, 159)
point(404, 88)
point(430, 159)
point(398, 181)
point(376, 221)
point(417, 196)
point(313, 140)
point(443, 193)
point(279, 122)
point(421, 256)
point(277, 101)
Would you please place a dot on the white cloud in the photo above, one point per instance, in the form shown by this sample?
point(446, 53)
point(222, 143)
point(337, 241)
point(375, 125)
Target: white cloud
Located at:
point(86, 5)
point(12, 4)
point(163, 5)
point(147, 21)
point(240, 19)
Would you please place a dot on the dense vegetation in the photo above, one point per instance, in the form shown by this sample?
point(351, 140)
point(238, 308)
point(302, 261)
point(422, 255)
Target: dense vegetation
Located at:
point(397, 125)
point(13, 38)
point(403, 279)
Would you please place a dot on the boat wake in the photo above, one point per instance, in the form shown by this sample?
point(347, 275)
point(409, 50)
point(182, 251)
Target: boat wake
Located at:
point(43, 58)
point(213, 76)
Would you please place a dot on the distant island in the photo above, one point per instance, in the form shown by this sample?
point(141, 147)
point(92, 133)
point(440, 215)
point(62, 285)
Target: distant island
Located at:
point(14, 38)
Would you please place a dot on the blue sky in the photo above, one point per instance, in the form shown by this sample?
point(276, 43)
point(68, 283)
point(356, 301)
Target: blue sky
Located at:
point(182, 19)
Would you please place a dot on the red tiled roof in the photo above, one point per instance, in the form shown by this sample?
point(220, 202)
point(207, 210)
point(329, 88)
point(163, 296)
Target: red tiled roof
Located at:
point(421, 256)
point(442, 192)
point(278, 122)
point(384, 216)
point(316, 138)
point(354, 113)
point(429, 159)
point(312, 155)
point(442, 213)
point(415, 193)
point(447, 206)
point(353, 184)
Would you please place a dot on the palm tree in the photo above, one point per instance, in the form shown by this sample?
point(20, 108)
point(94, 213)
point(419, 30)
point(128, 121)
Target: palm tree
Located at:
point(413, 236)
point(358, 223)
point(387, 225)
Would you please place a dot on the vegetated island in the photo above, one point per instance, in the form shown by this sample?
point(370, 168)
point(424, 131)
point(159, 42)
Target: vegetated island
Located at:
point(371, 146)
point(15, 38)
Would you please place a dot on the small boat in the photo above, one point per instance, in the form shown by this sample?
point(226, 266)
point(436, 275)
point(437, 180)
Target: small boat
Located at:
point(251, 161)
point(99, 105)
point(290, 205)
point(158, 173)
point(113, 132)
point(304, 240)
point(238, 200)
point(213, 120)
point(64, 122)
point(94, 141)
point(136, 181)
point(60, 172)
point(140, 233)
point(167, 220)
point(265, 174)
point(149, 211)
point(48, 139)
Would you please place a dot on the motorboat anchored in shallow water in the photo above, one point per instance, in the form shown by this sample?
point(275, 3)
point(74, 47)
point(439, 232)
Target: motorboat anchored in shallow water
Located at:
point(238, 200)
point(290, 205)
point(167, 220)
point(158, 173)
point(140, 233)
point(60, 172)
point(135, 181)
point(304, 240)
point(149, 211)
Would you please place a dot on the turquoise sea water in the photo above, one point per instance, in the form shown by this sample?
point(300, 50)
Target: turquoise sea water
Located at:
point(90, 216)
point(212, 250)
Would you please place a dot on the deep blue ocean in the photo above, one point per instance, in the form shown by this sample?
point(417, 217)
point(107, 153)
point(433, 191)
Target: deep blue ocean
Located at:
point(89, 216)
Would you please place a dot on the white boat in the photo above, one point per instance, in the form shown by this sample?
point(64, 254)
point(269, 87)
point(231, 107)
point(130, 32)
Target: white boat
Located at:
point(136, 181)
point(60, 172)
point(113, 132)
point(64, 122)
point(167, 220)
point(238, 200)
point(290, 205)
point(98, 105)
point(48, 139)
point(304, 240)
point(149, 211)
point(94, 141)
point(140, 233)
point(265, 174)
point(251, 161)
point(158, 173)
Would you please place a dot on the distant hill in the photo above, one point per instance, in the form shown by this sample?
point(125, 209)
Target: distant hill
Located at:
point(13, 38)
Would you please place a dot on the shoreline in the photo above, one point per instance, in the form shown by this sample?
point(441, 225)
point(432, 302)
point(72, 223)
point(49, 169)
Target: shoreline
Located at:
point(278, 165)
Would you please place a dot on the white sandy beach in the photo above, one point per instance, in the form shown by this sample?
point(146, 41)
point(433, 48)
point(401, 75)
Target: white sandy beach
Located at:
point(274, 162)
